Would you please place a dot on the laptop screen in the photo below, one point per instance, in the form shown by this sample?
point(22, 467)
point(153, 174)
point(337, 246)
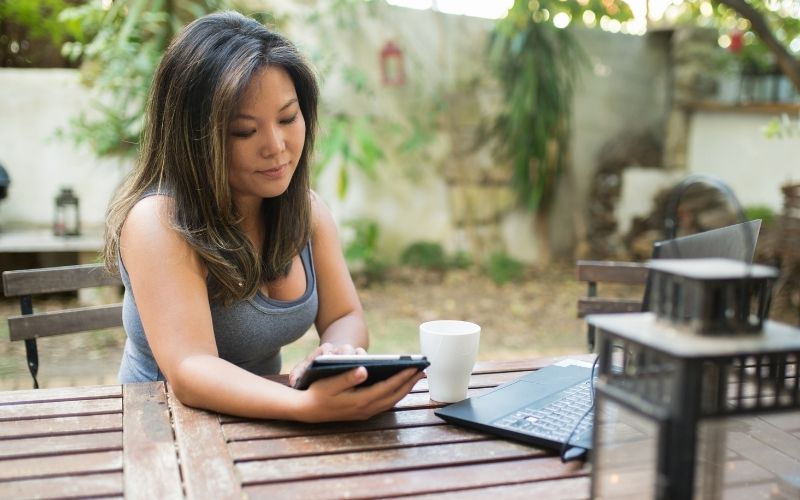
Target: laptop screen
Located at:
point(736, 242)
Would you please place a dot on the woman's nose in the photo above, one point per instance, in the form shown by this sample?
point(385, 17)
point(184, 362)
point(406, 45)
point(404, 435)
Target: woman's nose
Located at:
point(273, 142)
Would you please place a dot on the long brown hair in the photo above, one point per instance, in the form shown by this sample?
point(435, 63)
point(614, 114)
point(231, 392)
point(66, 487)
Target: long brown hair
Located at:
point(195, 93)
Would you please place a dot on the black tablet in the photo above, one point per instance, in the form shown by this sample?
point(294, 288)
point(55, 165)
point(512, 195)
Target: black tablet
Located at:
point(379, 366)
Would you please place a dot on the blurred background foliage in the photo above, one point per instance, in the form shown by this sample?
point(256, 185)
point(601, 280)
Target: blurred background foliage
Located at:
point(537, 63)
point(123, 44)
point(31, 33)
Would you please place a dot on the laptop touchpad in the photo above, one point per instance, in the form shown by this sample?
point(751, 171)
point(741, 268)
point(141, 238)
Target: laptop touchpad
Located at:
point(508, 398)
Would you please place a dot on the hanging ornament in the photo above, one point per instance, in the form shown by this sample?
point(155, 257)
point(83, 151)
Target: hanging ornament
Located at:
point(737, 42)
point(392, 66)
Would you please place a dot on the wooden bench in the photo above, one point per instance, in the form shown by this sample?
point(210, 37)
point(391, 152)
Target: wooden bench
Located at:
point(594, 272)
point(30, 325)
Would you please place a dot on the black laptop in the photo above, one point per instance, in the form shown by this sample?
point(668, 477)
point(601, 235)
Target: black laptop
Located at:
point(553, 407)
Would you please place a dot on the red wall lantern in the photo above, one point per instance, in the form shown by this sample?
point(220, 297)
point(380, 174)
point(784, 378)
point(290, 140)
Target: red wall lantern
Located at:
point(393, 71)
point(737, 42)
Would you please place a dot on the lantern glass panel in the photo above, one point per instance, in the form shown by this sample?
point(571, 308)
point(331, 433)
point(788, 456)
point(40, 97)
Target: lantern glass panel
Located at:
point(67, 216)
point(726, 409)
point(749, 457)
point(624, 455)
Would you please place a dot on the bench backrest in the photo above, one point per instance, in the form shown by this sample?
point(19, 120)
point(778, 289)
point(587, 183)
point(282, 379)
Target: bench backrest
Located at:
point(594, 272)
point(29, 325)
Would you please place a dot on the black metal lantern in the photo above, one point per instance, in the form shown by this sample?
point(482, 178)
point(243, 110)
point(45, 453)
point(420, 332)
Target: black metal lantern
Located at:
point(67, 214)
point(5, 181)
point(682, 392)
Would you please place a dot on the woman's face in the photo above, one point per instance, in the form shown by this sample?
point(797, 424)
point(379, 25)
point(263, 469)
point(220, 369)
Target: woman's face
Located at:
point(267, 135)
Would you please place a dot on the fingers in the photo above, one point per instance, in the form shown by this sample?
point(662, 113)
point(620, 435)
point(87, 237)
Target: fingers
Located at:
point(387, 393)
point(342, 382)
point(302, 366)
point(326, 348)
point(345, 349)
point(337, 398)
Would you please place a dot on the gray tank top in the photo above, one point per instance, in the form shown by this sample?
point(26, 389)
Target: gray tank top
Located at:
point(248, 333)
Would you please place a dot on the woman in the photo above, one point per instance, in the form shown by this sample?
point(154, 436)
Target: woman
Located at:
point(225, 253)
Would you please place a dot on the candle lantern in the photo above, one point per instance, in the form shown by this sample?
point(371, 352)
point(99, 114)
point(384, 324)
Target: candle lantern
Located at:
point(66, 221)
point(393, 71)
point(685, 393)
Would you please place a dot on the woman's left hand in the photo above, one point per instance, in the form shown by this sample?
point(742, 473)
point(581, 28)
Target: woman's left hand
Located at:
point(326, 348)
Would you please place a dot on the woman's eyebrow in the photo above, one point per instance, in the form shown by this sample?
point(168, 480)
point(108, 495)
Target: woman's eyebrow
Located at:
point(251, 117)
point(289, 103)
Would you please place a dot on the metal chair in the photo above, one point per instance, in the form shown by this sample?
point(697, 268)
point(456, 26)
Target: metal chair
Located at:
point(30, 325)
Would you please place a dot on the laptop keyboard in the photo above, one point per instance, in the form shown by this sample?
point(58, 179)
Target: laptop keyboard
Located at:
point(555, 420)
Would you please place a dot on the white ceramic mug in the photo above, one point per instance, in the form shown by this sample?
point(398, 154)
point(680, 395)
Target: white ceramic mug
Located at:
point(452, 348)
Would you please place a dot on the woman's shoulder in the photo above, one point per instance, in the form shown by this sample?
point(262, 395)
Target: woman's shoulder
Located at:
point(324, 233)
point(150, 239)
point(151, 210)
point(149, 224)
point(320, 213)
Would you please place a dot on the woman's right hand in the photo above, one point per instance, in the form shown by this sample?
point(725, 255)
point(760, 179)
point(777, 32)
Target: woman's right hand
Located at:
point(337, 398)
point(326, 348)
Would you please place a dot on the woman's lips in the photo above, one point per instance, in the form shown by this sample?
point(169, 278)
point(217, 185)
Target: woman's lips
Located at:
point(275, 172)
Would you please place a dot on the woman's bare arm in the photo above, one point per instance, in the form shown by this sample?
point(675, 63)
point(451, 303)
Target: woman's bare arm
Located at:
point(340, 320)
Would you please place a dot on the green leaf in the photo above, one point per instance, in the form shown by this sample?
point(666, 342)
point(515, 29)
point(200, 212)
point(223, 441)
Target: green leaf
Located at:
point(342, 183)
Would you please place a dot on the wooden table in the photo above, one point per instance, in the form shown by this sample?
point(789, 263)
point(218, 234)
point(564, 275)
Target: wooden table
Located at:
point(138, 441)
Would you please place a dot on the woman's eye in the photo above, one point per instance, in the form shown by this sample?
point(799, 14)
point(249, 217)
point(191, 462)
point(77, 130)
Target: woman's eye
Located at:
point(288, 120)
point(243, 133)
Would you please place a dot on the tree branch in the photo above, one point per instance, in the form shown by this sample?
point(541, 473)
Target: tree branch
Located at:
point(786, 62)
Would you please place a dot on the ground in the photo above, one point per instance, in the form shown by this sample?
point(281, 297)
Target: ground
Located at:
point(533, 316)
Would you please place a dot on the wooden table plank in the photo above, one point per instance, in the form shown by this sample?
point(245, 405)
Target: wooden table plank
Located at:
point(751, 447)
point(60, 394)
point(525, 364)
point(39, 427)
point(60, 445)
point(254, 429)
point(479, 380)
point(559, 489)
point(785, 421)
point(92, 485)
point(744, 472)
point(26, 411)
point(773, 437)
point(265, 449)
point(151, 461)
point(761, 490)
point(397, 459)
point(206, 465)
point(61, 465)
point(421, 481)
point(419, 400)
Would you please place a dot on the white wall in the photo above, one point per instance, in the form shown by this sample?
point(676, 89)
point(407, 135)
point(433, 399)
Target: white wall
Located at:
point(409, 202)
point(624, 89)
point(727, 144)
point(34, 104)
point(733, 146)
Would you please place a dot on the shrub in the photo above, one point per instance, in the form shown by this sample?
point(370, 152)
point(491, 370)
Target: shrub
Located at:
point(424, 254)
point(501, 268)
point(362, 251)
point(763, 212)
point(460, 260)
